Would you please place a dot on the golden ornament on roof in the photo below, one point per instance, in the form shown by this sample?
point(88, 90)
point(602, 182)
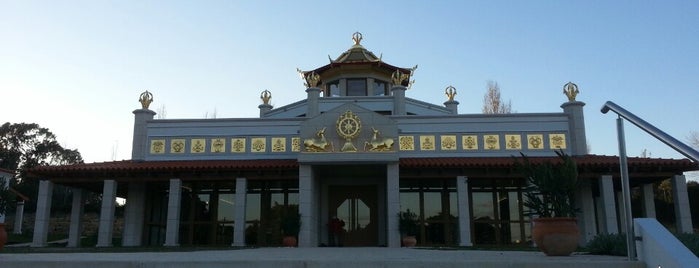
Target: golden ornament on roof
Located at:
point(357, 38)
point(571, 90)
point(145, 99)
point(265, 96)
point(450, 91)
point(397, 78)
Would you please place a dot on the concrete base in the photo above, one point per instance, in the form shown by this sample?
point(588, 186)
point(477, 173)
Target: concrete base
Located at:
point(315, 257)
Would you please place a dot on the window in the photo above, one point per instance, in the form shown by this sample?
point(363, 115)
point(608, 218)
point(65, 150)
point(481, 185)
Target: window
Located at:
point(380, 88)
point(356, 87)
point(434, 201)
point(332, 89)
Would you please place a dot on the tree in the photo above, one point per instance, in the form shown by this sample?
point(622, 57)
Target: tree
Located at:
point(24, 146)
point(694, 139)
point(492, 103)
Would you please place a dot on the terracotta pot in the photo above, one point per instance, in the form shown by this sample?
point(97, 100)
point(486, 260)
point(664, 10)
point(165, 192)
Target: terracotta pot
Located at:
point(3, 236)
point(409, 241)
point(289, 241)
point(556, 236)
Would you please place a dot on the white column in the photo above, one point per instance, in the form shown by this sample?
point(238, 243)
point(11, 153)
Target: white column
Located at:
point(19, 218)
point(43, 214)
point(106, 227)
point(606, 190)
point(648, 201)
point(172, 228)
point(683, 215)
point(134, 214)
point(464, 206)
point(76, 212)
point(586, 217)
point(393, 204)
point(308, 235)
point(241, 189)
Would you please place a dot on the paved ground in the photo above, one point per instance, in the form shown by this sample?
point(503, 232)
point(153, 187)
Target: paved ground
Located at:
point(313, 258)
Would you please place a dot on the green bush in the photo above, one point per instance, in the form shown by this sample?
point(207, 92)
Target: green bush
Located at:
point(608, 244)
point(691, 241)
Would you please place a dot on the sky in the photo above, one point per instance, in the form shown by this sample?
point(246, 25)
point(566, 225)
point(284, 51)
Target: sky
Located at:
point(78, 67)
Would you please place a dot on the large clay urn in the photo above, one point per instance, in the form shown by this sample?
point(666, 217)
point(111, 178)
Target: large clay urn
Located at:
point(556, 236)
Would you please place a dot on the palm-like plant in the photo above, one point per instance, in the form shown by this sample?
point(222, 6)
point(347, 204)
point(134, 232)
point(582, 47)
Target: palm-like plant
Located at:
point(551, 189)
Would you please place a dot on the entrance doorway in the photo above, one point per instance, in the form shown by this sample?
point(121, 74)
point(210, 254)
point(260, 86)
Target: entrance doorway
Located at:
point(356, 206)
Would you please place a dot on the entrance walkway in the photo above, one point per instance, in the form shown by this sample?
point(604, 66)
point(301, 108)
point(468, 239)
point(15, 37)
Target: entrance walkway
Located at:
point(314, 258)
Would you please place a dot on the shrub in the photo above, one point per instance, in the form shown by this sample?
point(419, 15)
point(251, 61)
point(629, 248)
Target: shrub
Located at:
point(608, 244)
point(691, 241)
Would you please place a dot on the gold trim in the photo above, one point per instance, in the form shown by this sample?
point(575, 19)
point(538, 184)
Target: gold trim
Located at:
point(406, 143)
point(177, 146)
point(448, 142)
point(157, 146)
point(469, 142)
point(348, 126)
point(238, 145)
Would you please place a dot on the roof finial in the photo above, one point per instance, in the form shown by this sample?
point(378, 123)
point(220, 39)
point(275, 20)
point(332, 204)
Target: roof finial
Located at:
point(265, 96)
point(397, 78)
point(571, 90)
point(357, 38)
point(450, 91)
point(146, 98)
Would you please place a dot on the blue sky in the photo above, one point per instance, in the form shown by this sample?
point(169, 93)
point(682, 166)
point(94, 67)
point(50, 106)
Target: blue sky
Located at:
point(77, 67)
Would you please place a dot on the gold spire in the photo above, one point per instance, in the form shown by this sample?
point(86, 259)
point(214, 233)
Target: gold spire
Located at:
point(146, 98)
point(357, 38)
point(571, 91)
point(397, 78)
point(265, 96)
point(450, 91)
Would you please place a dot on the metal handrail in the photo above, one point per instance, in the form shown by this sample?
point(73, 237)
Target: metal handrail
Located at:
point(680, 147)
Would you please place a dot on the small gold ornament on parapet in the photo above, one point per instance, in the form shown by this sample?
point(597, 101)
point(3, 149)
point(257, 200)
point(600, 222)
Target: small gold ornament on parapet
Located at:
point(397, 78)
point(146, 99)
point(310, 80)
point(450, 91)
point(266, 96)
point(571, 90)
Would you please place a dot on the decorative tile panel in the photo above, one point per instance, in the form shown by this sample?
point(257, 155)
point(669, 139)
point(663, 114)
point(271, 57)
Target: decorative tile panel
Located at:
point(218, 145)
point(258, 145)
point(514, 142)
point(296, 144)
point(448, 142)
point(469, 142)
point(157, 146)
point(492, 142)
point(197, 146)
point(557, 141)
point(427, 143)
point(177, 146)
point(279, 145)
point(535, 141)
point(237, 145)
point(406, 143)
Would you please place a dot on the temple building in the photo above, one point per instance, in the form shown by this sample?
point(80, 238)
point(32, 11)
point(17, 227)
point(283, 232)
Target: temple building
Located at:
point(356, 149)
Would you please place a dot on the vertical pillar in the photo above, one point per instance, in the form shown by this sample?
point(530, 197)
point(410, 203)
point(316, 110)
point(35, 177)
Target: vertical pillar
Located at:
point(308, 236)
point(312, 104)
point(241, 189)
point(576, 124)
point(453, 106)
point(606, 190)
point(133, 214)
point(43, 214)
point(172, 227)
point(398, 92)
point(19, 218)
point(464, 207)
point(106, 226)
point(139, 146)
point(648, 201)
point(393, 204)
point(76, 212)
point(586, 217)
point(683, 215)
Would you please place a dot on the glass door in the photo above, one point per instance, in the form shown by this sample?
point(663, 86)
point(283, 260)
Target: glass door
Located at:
point(355, 206)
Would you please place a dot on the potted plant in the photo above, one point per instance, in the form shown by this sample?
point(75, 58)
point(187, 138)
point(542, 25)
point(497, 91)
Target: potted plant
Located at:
point(550, 198)
point(408, 225)
point(290, 225)
point(5, 197)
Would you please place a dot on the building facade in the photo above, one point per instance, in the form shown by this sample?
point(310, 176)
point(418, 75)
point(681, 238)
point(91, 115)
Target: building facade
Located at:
point(356, 149)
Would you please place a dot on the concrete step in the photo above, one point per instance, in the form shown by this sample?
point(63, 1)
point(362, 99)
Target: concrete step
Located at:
point(315, 258)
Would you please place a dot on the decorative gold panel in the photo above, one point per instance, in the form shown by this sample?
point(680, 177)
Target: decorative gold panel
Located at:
point(448, 142)
point(237, 145)
point(557, 141)
point(177, 146)
point(469, 142)
point(492, 142)
point(279, 145)
point(258, 145)
point(535, 141)
point(427, 143)
point(514, 142)
point(407, 143)
point(218, 145)
point(157, 146)
point(296, 144)
point(198, 146)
